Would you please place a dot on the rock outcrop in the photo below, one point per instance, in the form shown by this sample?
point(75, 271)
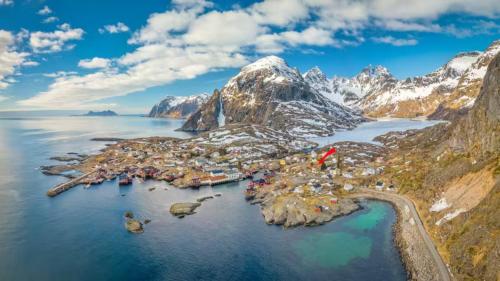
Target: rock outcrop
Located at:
point(183, 209)
point(178, 107)
point(134, 226)
point(292, 211)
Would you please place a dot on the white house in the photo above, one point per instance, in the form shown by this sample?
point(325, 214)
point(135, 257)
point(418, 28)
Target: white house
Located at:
point(348, 187)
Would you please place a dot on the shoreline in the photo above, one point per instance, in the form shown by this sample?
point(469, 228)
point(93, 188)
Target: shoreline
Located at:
point(417, 256)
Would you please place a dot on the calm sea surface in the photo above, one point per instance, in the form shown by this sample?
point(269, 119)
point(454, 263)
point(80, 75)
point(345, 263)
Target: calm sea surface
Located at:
point(80, 234)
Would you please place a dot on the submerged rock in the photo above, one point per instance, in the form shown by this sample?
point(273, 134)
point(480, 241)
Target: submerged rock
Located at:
point(182, 209)
point(201, 199)
point(134, 226)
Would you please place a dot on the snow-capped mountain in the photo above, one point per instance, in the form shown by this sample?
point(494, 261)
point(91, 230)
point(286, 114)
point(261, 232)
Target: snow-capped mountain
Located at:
point(178, 107)
point(271, 93)
point(452, 87)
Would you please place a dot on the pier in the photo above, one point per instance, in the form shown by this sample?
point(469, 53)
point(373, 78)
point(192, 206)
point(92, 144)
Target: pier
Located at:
point(60, 188)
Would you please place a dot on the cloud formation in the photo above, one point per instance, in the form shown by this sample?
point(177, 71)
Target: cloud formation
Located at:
point(56, 41)
point(114, 28)
point(6, 2)
point(45, 10)
point(94, 63)
point(395, 41)
point(191, 39)
point(10, 59)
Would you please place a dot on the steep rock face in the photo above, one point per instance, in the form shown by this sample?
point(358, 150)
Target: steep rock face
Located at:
point(479, 131)
point(452, 171)
point(178, 107)
point(269, 92)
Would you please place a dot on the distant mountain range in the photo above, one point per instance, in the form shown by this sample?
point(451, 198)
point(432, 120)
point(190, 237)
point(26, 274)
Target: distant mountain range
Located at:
point(269, 92)
point(452, 87)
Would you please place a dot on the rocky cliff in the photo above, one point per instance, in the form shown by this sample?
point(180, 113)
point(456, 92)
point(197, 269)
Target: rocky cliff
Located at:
point(269, 92)
point(452, 171)
point(178, 107)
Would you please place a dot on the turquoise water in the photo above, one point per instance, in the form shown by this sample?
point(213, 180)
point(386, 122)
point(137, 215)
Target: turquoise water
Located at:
point(79, 235)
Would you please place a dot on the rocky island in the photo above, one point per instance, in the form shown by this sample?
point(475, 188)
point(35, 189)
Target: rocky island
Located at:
point(100, 113)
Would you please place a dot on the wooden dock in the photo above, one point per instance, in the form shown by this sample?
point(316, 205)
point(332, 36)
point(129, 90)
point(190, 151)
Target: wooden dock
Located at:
point(60, 188)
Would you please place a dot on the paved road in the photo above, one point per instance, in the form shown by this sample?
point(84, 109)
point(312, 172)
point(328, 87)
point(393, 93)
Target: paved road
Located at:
point(443, 270)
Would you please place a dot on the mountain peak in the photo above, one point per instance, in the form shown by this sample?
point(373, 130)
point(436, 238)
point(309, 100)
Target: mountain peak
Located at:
point(462, 61)
point(375, 71)
point(266, 62)
point(315, 73)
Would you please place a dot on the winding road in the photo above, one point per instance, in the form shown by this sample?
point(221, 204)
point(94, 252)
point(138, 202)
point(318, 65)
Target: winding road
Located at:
point(397, 198)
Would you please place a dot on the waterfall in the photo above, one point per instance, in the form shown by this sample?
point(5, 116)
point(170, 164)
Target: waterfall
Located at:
point(221, 119)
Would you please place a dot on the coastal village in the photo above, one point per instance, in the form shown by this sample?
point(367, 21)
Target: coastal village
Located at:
point(283, 172)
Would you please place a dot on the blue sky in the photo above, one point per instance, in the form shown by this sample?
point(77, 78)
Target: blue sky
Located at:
point(127, 55)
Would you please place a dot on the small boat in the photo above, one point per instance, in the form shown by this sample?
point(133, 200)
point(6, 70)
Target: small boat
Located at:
point(250, 193)
point(124, 180)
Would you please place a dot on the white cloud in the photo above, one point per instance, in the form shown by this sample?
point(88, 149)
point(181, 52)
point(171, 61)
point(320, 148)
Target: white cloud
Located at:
point(279, 12)
point(160, 25)
point(10, 59)
point(6, 2)
point(229, 30)
point(3, 98)
point(60, 74)
point(168, 64)
point(309, 36)
point(395, 41)
point(30, 63)
point(45, 10)
point(192, 39)
point(114, 28)
point(56, 41)
point(400, 25)
point(94, 63)
point(50, 20)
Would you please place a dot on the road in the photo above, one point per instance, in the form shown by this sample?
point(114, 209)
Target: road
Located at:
point(441, 266)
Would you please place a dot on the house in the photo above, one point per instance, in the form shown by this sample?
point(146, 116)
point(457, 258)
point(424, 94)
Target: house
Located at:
point(216, 172)
point(200, 161)
point(369, 171)
point(379, 185)
point(233, 175)
point(348, 187)
point(347, 175)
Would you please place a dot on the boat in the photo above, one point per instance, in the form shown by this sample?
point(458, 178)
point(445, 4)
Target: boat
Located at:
point(250, 193)
point(124, 180)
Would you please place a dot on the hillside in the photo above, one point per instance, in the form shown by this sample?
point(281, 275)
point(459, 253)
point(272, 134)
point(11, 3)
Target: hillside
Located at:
point(452, 171)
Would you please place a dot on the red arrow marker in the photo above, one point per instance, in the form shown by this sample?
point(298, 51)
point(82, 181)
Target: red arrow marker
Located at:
point(328, 153)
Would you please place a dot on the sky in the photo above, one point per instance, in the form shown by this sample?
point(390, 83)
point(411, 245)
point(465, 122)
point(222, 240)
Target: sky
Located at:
point(126, 55)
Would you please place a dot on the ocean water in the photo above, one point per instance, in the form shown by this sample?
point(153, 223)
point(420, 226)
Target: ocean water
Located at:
point(369, 130)
point(80, 234)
